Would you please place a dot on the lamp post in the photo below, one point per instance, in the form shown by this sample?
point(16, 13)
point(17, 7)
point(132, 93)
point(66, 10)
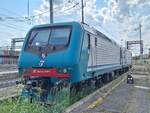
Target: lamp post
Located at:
point(141, 46)
point(141, 49)
point(28, 8)
point(82, 11)
point(51, 11)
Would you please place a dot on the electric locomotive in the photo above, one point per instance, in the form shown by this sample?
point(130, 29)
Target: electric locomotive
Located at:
point(71, 53)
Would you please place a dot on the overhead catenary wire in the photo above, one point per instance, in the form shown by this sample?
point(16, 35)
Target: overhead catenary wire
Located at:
point(55, 9)
point(11, 12)
point(25, 19)
point(6, 18)
point(31, 18)
point(71, 7)
point(19, 18)
point(12, 27)
point(8, 24)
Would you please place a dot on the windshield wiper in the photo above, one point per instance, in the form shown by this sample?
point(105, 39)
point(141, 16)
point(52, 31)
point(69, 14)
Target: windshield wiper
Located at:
point(33, 38)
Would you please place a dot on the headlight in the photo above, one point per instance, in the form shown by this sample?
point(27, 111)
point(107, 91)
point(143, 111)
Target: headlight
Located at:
point(64, 70)
point(130, 78)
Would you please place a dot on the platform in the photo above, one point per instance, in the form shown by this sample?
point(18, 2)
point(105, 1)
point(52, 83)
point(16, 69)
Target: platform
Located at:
point(124, 98)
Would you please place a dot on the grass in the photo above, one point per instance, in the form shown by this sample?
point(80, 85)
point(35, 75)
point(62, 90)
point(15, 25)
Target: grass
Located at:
point(22, 106)
point(17, 106)
point(61, 102)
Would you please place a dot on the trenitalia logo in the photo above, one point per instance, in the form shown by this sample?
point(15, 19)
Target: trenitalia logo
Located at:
point(41, 63)
point(43, 55)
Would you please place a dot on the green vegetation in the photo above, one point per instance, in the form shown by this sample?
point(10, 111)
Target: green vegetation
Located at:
point(10, 106)
point(58, 104)
point(83, 92)
point(22, 106)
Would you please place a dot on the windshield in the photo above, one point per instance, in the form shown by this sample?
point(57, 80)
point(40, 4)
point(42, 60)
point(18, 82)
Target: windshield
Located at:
point(59, 36)
point(39, 37)
point(51, 36)
point(51, 39)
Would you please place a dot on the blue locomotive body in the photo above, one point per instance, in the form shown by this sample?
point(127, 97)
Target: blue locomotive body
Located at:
point(67, 59)
point(72, 49)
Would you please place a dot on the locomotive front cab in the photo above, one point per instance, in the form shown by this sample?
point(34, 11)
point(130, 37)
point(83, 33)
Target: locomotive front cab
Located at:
point(47, 40)
point(49, 57)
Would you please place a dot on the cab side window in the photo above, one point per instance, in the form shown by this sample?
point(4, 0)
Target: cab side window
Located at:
point(86, 41)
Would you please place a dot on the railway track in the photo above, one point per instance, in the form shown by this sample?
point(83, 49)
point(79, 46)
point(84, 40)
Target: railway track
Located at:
point(8, 87)
point(8, 75)
point(8, 83)
point(8, 67)
point(8, 78)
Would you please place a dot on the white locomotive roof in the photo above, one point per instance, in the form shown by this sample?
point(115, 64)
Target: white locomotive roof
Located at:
point(101, 32)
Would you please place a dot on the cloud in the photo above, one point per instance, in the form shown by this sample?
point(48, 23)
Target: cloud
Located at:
point(127, 14)
point(145, 21)
point(119, 18)
point(67, 8)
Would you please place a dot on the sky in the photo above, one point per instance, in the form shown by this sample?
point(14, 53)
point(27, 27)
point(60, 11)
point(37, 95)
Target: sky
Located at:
point(120, 19)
